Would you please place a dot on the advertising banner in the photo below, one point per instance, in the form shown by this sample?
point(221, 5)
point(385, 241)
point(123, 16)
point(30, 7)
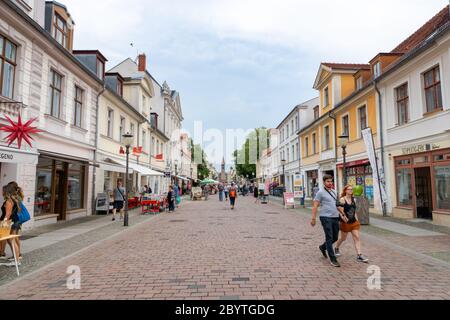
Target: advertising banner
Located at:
point(379, 194)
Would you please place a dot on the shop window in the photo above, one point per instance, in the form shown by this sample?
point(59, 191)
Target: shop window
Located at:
point(404, 162)
point(442, 157)
point(404, 187)
point(442, 181)
point(43, 197)
point(75, 187)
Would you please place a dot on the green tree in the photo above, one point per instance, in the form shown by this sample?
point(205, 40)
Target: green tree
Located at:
point(198, 158)
point(250, 152)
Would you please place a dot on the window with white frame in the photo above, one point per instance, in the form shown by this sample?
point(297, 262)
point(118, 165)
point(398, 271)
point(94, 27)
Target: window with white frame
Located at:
point(376, 69)
point(121, 128)
point(362, 115)
point(402, 102)
point(314, 145)
point(432, 87)
point(345, 125)
point(78, 106)
point(326, 97)
point(359, 83)
point(110, 123)
point(8, 51)
point(326, 136)
point(144, 140)
point(55, 94)
point(306, 146)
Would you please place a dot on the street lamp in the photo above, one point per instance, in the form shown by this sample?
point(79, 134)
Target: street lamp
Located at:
point(344, 140)
point(128, 141)
point(283, 163)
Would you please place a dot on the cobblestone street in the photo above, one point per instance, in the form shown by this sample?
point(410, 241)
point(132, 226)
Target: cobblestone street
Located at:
point(207, 251)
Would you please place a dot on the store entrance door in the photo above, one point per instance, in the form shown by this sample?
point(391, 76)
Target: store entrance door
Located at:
point(423, 193)
point(60, 192)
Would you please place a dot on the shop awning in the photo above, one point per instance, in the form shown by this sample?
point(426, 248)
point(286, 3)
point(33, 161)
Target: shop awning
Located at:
point(182, 178)
point(145, 171)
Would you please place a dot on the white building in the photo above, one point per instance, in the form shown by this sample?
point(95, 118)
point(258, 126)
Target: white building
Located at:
point(415, 125)
point(42, 78)
point(288, 141)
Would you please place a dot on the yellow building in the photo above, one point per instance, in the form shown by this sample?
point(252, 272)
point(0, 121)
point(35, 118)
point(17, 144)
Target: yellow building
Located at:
point(335, 83)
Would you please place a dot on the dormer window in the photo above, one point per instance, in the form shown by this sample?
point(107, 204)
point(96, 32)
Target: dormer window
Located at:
point(376, 69)
point(154, 120)
point(316, 112)
point(119, 88)
point(100, 69)
point(60, 30)
point(358, 83)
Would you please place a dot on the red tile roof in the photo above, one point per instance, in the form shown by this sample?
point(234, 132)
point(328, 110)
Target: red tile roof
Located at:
point(352, 66)
point(424, 32)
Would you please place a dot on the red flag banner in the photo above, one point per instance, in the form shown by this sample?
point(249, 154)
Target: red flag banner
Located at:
point(159, 157)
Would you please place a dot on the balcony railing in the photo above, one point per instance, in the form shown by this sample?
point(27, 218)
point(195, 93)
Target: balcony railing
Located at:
point(10, 108)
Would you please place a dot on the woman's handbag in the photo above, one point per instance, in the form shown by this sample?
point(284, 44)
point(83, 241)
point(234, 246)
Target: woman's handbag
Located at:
point(23, 214)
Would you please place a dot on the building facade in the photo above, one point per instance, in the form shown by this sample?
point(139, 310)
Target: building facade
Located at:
point(415, 116)
point(42, 79)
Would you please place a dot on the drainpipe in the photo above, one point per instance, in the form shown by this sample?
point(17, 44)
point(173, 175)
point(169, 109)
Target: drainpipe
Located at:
point(97, 133)
point(381, 141)
point(332, 116)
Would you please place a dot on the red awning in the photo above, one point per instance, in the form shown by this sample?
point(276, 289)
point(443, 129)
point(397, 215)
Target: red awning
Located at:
point(353, 163)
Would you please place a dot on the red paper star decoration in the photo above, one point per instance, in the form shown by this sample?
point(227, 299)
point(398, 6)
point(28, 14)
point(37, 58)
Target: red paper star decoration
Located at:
point(20, 131)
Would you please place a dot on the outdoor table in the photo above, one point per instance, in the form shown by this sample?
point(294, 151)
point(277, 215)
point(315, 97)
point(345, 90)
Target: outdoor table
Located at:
point(12, 237)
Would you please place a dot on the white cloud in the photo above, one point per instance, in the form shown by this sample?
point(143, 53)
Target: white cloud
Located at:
point(336, 30)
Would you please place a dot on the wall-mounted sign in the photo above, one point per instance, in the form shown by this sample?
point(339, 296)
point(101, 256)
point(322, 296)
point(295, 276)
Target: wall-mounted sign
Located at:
point(421, 148)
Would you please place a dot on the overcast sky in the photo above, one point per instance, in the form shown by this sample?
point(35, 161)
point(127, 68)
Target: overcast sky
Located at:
point(244, 63)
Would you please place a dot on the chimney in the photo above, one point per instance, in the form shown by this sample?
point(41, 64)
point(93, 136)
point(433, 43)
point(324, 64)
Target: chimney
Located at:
point(142, 62)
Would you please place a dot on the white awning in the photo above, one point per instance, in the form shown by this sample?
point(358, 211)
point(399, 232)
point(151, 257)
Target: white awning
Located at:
point(145, 171)
point(112, 167)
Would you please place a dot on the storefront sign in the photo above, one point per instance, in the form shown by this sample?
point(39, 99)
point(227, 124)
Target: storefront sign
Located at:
point(289, 199)
point(420, 148)
point(102, 202)
point(298, 186)
point(7, 156)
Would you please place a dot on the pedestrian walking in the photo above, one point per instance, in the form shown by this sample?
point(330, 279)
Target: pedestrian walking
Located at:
point(233, 195)
point(221, 192)
point(226, 191)
point(326, 198)
point(176, 191)
point(171, 199)
point(11, 208)
point(256, 194)
point(349, 223)
point(119, 200)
